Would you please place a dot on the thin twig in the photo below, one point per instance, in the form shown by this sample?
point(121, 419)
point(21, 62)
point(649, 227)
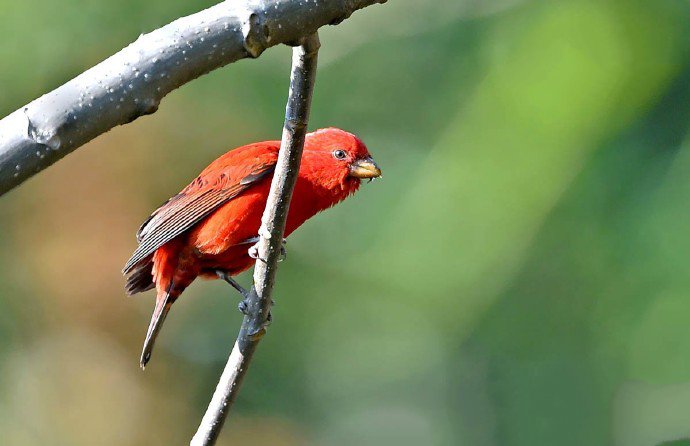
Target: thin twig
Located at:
point(270, 239)
point(132, 82)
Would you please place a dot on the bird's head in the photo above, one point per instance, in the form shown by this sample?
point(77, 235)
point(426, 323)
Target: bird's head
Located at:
point(339, 159)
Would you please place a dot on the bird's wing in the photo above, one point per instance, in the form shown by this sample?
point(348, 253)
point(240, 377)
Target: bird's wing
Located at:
point(216, 185)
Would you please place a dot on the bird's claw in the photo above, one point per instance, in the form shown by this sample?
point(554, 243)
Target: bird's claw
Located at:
point(243, 306)
point(253, 251)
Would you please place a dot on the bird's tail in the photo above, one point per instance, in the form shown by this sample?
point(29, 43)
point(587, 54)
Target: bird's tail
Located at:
point(160, 311)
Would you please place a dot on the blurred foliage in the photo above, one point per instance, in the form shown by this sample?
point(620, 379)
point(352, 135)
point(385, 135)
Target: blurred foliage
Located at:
point(519, 277)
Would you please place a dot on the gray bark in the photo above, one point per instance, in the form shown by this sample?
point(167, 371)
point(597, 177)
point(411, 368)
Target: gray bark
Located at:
point(132, 82)
point(270, 240)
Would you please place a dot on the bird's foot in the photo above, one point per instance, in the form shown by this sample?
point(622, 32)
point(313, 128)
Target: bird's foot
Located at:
point(253, 251)
point(243, 306)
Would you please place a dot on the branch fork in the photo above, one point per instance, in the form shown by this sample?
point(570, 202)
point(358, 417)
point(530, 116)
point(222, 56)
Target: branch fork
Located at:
point(132, 82)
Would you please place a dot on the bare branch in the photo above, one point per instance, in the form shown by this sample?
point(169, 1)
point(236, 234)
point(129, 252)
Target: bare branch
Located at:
point(132, 82)
point(270, 241)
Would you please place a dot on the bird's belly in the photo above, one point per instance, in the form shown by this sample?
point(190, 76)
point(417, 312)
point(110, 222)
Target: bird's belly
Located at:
point(232, 261)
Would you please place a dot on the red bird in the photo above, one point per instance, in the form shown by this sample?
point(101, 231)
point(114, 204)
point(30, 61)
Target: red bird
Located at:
point(206, 229)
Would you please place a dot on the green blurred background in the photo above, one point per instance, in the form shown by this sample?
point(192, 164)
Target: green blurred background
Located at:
point(519, 277)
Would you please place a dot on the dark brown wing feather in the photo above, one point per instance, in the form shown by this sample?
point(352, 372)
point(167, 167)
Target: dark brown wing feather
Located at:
point(180, 213)
point(140, 278)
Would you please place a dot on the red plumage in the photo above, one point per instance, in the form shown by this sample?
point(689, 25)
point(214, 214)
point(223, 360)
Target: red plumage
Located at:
point(206, 228)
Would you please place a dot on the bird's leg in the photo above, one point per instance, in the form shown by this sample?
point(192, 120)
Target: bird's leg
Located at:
point(244, 303)
point(226, 277)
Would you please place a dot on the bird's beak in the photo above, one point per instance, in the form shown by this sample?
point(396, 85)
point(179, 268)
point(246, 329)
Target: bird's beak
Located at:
point(364, 168)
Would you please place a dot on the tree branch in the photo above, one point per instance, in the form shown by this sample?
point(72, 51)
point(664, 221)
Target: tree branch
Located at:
point(132, 82)
point(270, 241)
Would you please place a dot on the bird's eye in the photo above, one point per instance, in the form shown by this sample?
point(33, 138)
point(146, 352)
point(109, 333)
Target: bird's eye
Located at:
point(339, 154)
